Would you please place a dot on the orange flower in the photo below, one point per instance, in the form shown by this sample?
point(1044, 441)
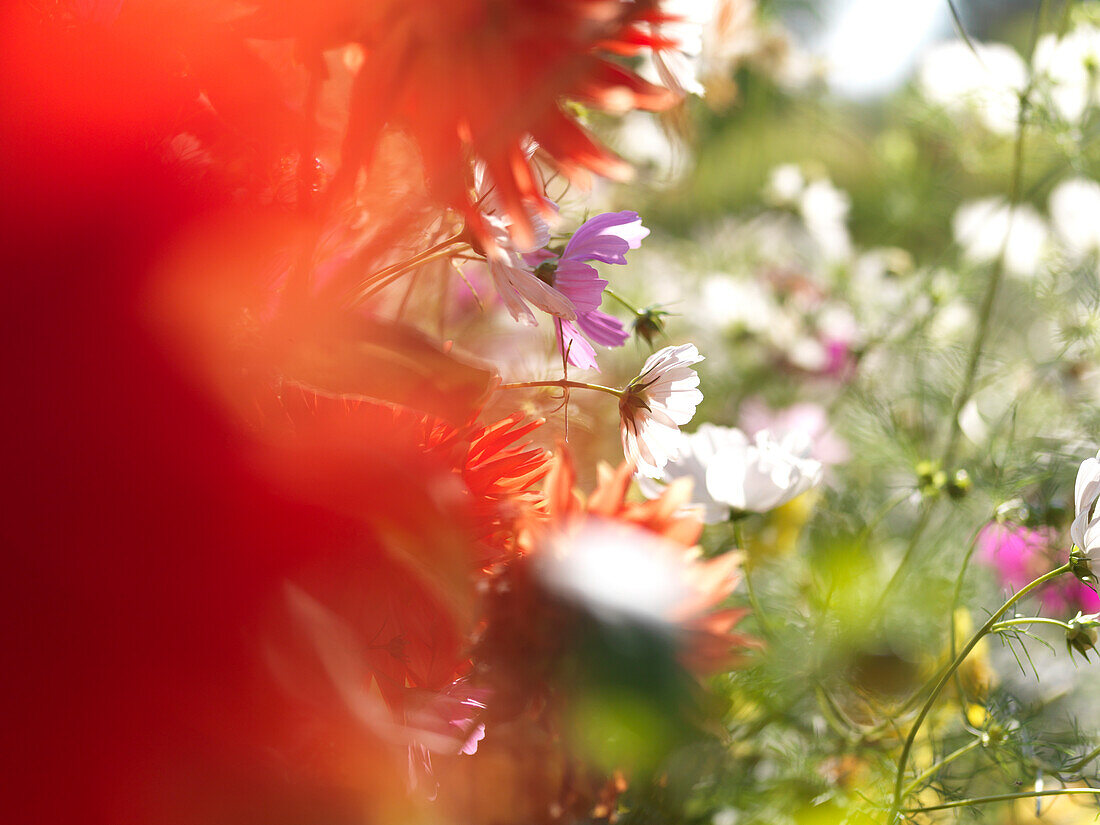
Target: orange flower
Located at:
point(475, 79)
point(498, 472)
point(707, 643)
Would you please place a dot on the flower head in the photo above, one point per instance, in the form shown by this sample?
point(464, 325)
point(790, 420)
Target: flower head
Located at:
point(1019, 554)
point(514, 280)
point(656, 403)
point(1085, 530)
point(988, 228)
point(731, 471)
point(477, 78)
point(605, 238)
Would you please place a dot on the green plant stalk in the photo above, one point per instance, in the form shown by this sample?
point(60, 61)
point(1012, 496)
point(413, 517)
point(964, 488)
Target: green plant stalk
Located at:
point(1007, 623)
point(936, 768)
point(985, 316)
point(563, 384)
point(757, 608)
point(1084, 760)
point(634, 310)
point(903, 759)
point(1005, 797)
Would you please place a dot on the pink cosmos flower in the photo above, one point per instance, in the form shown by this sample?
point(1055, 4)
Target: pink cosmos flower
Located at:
point(605, 238)
point(444, 722)
point(512, 275)
point(1019, 554)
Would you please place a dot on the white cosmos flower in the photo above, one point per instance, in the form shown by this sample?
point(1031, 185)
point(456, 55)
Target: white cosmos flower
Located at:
point(656, 403)
point(824, 210)
point(984, 227)
point(1069, 66)
point(762, 474)
point(733, 471)
point(986, 79)
point(1085, 530)
point(1074, 205)
point(785, 184)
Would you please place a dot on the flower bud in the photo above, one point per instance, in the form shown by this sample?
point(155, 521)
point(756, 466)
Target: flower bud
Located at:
point(1081, 634)
point(1014, 510)
point(959, 485)
point(930, 478)
point(1079, 565)
point(649, 324)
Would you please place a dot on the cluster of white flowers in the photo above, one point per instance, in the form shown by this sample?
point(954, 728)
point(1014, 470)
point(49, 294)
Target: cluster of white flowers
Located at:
point(822, 207)
point(986, 79)
point(987, 228)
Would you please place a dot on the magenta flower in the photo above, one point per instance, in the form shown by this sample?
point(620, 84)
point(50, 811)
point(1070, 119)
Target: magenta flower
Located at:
point(1020, 554)
point(605, 238)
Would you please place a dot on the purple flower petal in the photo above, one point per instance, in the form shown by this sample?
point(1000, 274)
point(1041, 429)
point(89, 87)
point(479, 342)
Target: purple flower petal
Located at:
point(580, 283)
point(606, 238)
point(579, 352)
point(603, 328)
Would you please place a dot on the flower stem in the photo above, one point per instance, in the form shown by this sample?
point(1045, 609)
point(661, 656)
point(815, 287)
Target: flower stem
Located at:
point(985, 314)
point(1005, 797)
point(934, 769)
point(1084, 760)
point(757, 608)
point(563, 384)
point(997, 628)
point(903, 759)
point(622, 300)
point(384, 277)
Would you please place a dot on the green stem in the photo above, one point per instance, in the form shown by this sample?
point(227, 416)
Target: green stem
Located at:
point(563, 384)
point(840, 724)
point(1084, 760)
point(1004, 797)
point(997, 628)
point(622, 301)
point(985, 315)
point(936, 768)
point(907, 556)
point(903, 759)
point(757, 608)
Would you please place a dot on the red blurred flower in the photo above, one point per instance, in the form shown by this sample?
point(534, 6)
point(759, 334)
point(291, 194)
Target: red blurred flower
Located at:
point(474, 79)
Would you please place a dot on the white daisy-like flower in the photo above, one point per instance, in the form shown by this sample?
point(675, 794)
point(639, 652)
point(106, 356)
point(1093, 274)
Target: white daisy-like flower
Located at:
point(984, 78)
point(734, 472)
point(1069, 67)
point(1074, 205)
point(984, 227)
point(656, 403)
point(1085, 530)
point(764, 473)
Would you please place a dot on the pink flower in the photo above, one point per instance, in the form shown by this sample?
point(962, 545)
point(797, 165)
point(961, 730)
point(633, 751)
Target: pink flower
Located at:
point(1020, 554)
point(605, 238)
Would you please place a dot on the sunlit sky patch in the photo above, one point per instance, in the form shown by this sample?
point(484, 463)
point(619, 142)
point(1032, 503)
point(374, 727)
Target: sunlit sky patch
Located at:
point(871, 46)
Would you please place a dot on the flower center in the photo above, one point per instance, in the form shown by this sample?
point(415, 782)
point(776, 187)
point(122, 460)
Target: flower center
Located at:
point(546, 271)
